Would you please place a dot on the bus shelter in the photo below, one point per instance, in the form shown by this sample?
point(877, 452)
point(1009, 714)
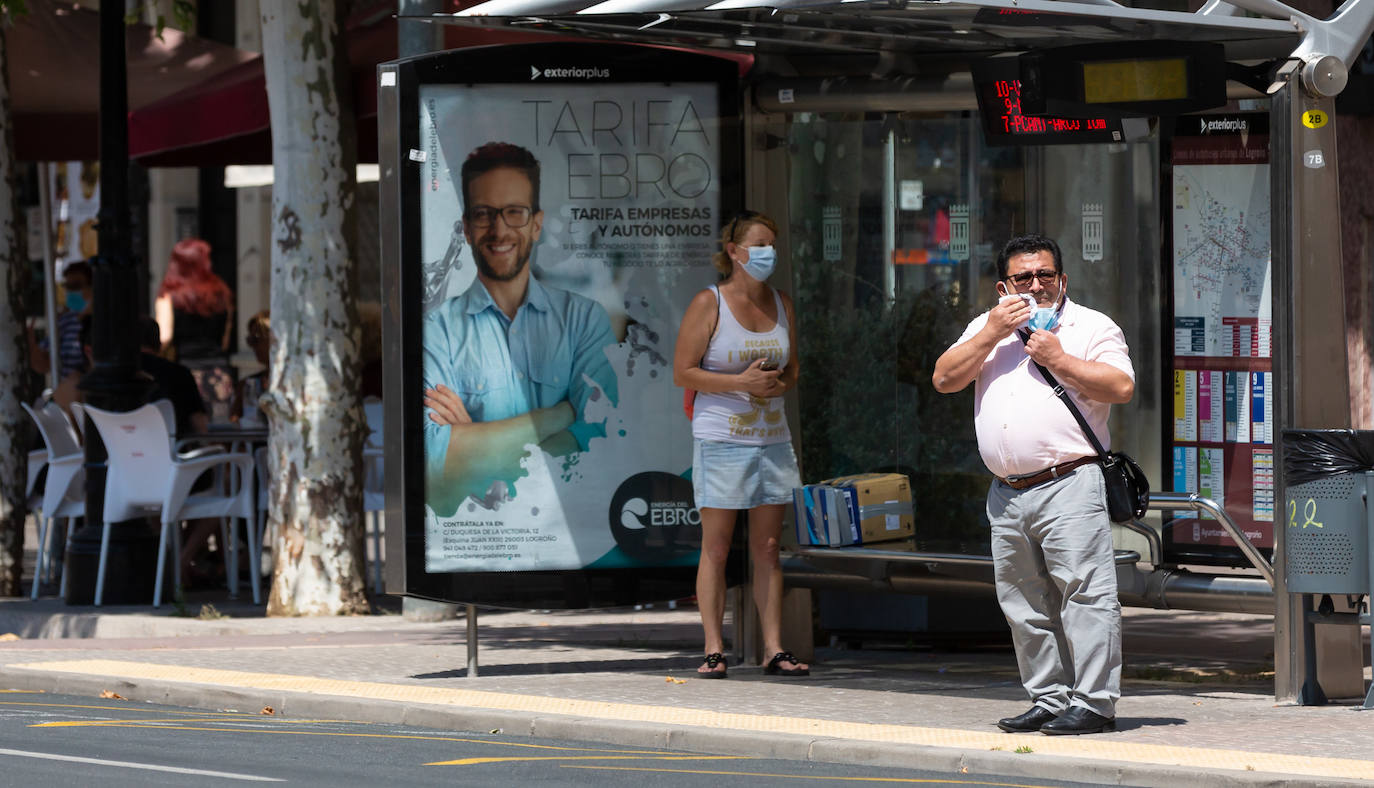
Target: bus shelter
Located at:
point(1186, 163)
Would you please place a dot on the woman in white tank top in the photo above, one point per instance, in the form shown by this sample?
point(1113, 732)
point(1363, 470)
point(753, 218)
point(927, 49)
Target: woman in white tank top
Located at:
point(736, 349)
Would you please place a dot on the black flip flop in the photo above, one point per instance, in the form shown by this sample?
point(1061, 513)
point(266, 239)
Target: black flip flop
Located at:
point(712, 660)
point(775, 668)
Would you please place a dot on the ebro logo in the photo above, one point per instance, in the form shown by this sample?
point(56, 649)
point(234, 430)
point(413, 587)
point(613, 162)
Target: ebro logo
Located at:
point(653, 517)
point(639, 513)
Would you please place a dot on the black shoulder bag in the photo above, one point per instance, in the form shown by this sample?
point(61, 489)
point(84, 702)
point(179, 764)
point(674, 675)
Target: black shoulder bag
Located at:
point(1128, 491)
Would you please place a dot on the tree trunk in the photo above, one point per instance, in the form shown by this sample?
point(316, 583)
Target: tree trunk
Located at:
point(313, 401)
point(14, 358)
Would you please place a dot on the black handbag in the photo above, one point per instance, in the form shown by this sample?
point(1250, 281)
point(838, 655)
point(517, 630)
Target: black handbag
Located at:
point(1128, 489)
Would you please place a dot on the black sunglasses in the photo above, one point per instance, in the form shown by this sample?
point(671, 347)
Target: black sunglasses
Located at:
point(742, 216)
point(1024, 278)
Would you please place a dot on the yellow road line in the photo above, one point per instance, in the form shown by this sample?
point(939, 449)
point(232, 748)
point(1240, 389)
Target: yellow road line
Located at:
point(161, 723)
point(357, 735)
point(126, 708)
point(1111, 748)
point(646, 757)
point(914, 780)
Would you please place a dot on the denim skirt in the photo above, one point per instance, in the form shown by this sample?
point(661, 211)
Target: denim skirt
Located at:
point(739, 476)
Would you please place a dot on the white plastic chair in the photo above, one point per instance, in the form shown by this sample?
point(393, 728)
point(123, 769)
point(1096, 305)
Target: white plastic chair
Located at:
point(78, 411)
point(374, 488)
point(64, 492)
point(38, 460)
point(260, 461)
point(146, 475)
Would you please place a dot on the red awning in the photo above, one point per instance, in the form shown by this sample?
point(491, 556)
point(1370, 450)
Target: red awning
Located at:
point(225, 120)
point(54, 64)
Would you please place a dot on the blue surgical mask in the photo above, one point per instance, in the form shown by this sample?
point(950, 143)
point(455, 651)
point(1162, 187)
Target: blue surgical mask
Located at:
point(761, 262)
point(1046, 318)
point(75, 301)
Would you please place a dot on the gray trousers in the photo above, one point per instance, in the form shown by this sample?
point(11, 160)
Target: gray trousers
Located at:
point(1056, 581)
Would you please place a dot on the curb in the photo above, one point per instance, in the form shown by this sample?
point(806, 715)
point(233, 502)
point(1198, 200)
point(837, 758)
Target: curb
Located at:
point(783, 746)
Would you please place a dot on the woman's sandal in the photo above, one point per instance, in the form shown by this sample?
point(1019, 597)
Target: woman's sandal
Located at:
point(712, 660)
point(775, 668)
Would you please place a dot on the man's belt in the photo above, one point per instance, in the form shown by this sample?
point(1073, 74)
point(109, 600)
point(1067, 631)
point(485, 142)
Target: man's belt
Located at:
point(1049, 474)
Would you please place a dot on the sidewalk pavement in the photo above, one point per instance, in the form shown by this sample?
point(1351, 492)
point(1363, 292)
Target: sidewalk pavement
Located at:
point(1197, 710)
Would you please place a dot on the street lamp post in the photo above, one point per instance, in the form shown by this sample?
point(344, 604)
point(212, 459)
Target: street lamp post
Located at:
point(114, 382)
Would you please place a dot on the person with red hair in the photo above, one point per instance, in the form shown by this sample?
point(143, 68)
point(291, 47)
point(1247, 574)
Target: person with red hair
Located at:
point(194, 311)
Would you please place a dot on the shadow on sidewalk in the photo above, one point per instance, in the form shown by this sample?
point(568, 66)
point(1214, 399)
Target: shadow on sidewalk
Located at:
point(670, 662)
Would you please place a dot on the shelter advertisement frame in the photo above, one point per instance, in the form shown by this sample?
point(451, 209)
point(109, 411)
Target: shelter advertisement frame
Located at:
point(1220, 421)
point(562, 476)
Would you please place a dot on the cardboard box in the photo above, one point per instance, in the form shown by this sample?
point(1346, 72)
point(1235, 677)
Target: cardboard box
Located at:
point(823, 516)
point(880, 505)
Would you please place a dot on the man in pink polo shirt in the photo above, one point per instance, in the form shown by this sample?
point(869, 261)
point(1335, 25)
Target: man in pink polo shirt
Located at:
point(1051, 535)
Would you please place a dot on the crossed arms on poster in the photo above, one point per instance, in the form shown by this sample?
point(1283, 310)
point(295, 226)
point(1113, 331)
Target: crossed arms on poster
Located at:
point(494, 387)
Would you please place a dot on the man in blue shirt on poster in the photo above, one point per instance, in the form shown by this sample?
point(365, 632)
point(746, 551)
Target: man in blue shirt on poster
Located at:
point(510, 362)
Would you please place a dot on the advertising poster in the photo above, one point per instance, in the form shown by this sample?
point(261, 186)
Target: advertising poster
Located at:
point(1222, 408)
point(75, 186)
point(554, 438)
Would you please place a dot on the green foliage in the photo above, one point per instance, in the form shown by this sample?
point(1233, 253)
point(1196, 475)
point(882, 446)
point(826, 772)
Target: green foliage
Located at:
point(13, 9)
point(183, 15)
point(209, 613)
point(867, 402)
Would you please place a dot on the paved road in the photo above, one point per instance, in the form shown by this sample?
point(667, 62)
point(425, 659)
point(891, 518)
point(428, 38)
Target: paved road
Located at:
point(50, 739)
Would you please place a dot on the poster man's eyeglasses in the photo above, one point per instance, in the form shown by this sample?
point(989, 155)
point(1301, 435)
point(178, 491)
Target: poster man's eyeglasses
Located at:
point(515, 216)
point(1024, 278)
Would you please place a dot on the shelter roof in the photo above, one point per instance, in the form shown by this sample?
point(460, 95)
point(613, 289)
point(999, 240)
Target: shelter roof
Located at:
point(921, 28)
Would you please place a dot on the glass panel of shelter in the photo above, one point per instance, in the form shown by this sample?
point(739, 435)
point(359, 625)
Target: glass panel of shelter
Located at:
point(894, 255)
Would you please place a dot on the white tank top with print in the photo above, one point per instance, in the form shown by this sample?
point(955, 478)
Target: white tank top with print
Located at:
point(736, 416)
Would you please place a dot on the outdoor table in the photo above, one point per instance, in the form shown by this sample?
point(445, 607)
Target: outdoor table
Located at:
point(234, 434)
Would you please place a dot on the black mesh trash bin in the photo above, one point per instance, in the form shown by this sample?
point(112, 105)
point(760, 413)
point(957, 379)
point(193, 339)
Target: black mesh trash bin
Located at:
point(1327, 513)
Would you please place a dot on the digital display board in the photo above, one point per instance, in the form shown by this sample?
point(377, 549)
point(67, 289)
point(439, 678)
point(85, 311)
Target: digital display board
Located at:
point(998, 89)
point(1140, 78)
point(1115, 81)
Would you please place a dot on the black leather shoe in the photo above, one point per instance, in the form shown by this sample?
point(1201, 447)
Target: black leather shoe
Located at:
point(1078, 720)
point(1030, 722)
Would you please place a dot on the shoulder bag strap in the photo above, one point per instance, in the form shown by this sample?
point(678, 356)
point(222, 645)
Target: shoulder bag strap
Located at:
point(1068, 401)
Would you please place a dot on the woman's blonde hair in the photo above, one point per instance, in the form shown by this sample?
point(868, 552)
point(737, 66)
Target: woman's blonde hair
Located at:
point(259, 327)
point(737, 228)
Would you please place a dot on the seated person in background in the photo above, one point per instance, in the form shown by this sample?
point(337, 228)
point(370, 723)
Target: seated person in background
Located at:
point(171, 380)
point(259, 340)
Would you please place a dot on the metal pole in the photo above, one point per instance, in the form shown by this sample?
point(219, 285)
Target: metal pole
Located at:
point(472, 641)
point(1309, 368)
point(1369, 571)
point(890, 216)
point(45, 171)
point(414, 37)
point(114, 382)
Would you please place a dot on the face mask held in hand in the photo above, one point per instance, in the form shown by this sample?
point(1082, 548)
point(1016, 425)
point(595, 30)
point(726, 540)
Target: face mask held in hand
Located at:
point(1046, 318)
point(761, 262)
point(1043, 318)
